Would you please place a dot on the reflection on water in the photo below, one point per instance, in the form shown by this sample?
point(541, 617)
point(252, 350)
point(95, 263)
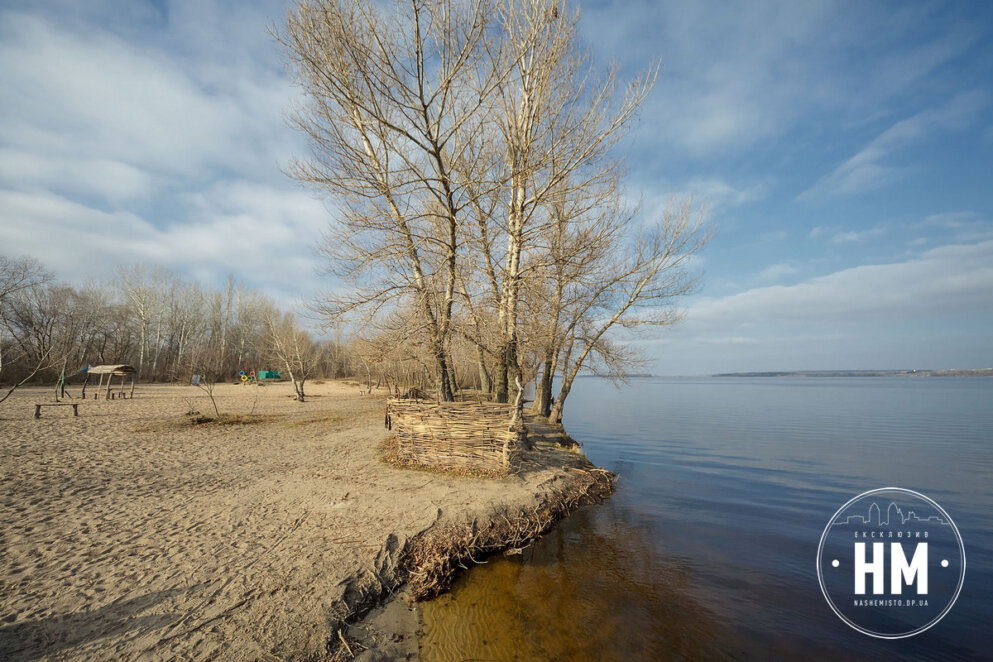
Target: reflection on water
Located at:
point(708, 548)
point(576, 571)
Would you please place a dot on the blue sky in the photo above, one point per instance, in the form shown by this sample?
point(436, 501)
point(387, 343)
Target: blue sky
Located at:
point(844, 150)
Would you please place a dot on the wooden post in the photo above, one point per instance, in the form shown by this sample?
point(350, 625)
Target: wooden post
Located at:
point(131, 395)
point(99, 388)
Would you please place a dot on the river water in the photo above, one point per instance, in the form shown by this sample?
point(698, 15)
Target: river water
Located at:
point(707, 550)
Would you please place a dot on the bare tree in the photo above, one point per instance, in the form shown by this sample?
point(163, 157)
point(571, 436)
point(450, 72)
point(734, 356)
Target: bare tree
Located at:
point(186, 323)
point(557, 124)
point(174, 327)
point(470, 149)
point(208, 361)
point(16, 276)
point(395, 108)
point(293, 348)
point(638, 291)
point(21, 273)
point(143, 291)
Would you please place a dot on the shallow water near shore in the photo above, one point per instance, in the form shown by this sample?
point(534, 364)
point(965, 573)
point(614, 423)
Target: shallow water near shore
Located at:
point(708, 547)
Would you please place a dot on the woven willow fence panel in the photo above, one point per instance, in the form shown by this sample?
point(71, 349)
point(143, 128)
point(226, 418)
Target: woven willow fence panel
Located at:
point(453, 435)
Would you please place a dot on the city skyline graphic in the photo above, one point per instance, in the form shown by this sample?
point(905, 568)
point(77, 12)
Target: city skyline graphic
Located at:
point(894, 517)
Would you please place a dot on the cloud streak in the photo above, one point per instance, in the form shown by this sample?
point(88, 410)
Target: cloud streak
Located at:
point(869, 169)
point(949, 280)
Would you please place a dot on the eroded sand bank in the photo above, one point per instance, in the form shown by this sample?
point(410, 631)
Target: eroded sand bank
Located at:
point(127, 532)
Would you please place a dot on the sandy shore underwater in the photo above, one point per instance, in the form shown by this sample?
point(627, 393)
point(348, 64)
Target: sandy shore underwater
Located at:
point(130, 533)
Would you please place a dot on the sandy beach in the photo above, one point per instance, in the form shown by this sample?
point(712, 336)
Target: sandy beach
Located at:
point(130, 533)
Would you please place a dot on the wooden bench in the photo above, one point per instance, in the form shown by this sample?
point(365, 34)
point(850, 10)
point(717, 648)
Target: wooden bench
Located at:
point(74, 405)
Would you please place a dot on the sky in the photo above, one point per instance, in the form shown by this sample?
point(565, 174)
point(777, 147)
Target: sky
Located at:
point(844, 151)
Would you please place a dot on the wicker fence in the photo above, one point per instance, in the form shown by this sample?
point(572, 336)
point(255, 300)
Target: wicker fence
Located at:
point(453, 435)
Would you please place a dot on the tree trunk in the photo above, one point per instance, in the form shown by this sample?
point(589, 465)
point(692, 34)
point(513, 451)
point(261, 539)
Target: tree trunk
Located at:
point(556, 413)
point(445, 393)
point(555, 417)
point(543, 398)
point(452, 379)
point(501, 387)
point(484, 375)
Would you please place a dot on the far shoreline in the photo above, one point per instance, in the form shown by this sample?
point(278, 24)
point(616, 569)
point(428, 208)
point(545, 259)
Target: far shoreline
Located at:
point(945, 372)
point(951, 372)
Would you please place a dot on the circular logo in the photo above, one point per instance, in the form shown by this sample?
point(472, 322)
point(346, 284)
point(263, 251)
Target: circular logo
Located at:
point(891, 563)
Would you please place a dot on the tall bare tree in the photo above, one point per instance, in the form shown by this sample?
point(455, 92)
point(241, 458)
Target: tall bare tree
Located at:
point(558, 123)
point(396, 106)
point(469, 148)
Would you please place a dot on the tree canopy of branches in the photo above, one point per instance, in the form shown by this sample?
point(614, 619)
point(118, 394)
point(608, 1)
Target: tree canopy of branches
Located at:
point(470, 150)
point(17, 276)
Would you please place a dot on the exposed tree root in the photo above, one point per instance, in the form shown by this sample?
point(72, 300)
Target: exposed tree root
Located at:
point(435, 558)
point(430, 562)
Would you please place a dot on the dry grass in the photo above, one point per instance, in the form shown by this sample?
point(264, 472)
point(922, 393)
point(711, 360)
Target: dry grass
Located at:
point(332, 420)
point(391, 455)
point(181, 422)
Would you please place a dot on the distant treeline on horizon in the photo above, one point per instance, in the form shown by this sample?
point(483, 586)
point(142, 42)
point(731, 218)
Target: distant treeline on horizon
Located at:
point(972, 372)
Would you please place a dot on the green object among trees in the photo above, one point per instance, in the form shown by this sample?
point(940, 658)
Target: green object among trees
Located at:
point(269, 374)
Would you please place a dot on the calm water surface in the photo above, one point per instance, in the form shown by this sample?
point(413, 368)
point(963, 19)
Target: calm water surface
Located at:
point(708, 548)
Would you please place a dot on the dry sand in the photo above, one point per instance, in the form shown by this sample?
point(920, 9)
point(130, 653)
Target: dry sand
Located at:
point(128, 533)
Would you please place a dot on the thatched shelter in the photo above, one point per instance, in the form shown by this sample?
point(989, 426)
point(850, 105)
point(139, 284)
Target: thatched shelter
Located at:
point(121, 370)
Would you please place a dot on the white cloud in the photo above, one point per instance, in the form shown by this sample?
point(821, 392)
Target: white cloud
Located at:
point(262, 236)
point(109, 114)
point(112, 181)
point(954, 220)
point(718, 194)
point(959, 227)
point(864, 317)
point(113, 99)
point(947, 279)
point(838, 236)
point(160, 142)
point(737, 76)
point(712, 194)
point(777, 271)
point(866, 171)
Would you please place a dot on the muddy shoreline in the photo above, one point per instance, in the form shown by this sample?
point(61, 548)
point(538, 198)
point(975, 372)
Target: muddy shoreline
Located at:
point(389, 628)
